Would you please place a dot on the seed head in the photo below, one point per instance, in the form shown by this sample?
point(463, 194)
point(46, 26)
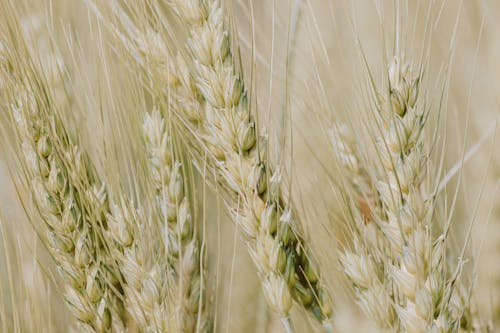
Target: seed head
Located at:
point(277, 294)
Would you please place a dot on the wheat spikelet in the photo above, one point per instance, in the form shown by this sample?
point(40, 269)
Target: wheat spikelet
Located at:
point(178, 304)
point(418, 264)
point(143, 272)
point(345, 148)
point(71, 216)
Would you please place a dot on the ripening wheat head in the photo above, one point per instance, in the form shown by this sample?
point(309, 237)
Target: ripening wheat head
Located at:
point(69, 197)
point(158, 247)
point(230, 131)
point(182, 238)
point(398, 265)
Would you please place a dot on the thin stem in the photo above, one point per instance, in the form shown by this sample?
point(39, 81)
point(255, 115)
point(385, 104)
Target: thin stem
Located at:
point(287, 324)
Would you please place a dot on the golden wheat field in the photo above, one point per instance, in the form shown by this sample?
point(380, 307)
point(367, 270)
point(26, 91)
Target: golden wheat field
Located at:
point(249, 166)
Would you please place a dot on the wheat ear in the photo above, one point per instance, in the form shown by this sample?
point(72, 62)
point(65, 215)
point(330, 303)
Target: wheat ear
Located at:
point(68, 195)
point(163, 292)
point(71, 204)
point(229, 130)
point(181, 237)
point(400, 264)
point(179, 301)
